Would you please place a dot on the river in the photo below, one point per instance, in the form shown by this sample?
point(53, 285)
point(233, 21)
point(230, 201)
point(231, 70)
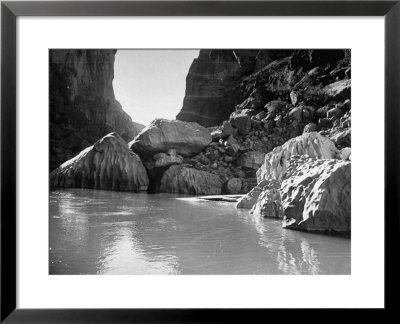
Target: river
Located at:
point(108, 232)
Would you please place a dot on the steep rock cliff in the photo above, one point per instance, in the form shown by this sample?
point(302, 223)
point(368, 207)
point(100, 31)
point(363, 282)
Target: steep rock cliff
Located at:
point(212, 85)
point(219, 80)
point(83, 107)
point(278, 95)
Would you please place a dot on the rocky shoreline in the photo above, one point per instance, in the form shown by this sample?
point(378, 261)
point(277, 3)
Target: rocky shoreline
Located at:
point(282, 140)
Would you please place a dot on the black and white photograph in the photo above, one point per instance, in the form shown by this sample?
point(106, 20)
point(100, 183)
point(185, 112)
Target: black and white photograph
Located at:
point(200, 161)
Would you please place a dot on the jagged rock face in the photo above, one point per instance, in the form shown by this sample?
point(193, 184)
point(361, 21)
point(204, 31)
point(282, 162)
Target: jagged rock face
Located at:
point(83, 107)
point(310, 144)
point(162, 135)
point(287, 94)
point(183, 180)
point(109, 165)
point(316, 195)
point(268, 204)
point(212, 85)
point(250, 199)
point(339, 90)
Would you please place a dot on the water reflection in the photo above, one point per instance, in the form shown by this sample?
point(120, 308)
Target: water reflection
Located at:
point(299, 252)
point(104, 232)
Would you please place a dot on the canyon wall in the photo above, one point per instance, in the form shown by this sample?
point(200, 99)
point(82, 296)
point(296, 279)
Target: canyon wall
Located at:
point(83, 107)
point(250, 120)
point(212, 84)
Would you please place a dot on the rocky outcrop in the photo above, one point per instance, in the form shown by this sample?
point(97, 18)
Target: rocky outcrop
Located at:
point(162, 135)
point(108, 165)
point(184, 180)
point(249, 200)
point(302, 91)
point(83, 107)
point(339, 90)
point(286, 169)
point(313, 195)
point(307, 182)
point(269, 204)
point(256, 104)
point(316, 195)
point(309, 144)
point(212, 85)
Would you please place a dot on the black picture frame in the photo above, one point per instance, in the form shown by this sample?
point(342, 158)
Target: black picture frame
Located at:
point(9, 13)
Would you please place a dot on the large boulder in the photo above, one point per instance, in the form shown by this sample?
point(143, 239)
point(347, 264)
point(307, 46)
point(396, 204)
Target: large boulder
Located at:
point(184, 180)
point(339, 90)
point(342, 138)
point(316, 195)
point(311, 144)
point(242, 120)
point(313, 195)
point(227, 129)
point(233, 186)
point(161, 135)
point(108, 165)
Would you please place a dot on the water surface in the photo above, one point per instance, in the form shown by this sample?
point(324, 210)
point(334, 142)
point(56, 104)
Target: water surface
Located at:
point(107, 232)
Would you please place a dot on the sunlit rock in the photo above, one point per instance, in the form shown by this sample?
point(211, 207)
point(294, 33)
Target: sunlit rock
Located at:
point(109, 165)
point(316, 195)
point(311, 144)
point(162, 135)
point(345, 154)
point(249, 200)
point(339, 90)
point(268, 204)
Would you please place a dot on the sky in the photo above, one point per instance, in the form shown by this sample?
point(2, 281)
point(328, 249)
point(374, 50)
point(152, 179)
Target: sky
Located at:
point(151, 83)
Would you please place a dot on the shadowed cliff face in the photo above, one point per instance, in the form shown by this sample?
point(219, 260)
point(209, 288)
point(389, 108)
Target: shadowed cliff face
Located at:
point(83, 107)
point(212, 85)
